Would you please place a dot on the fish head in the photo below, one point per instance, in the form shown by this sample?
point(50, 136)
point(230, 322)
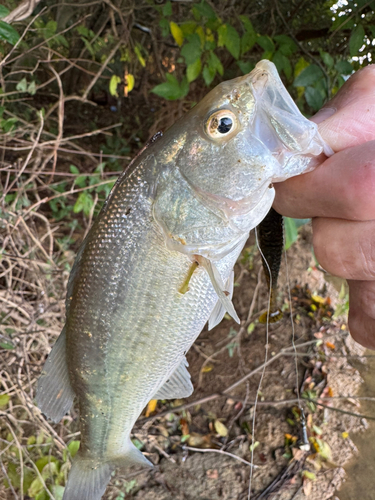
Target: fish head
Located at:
point(241, 137)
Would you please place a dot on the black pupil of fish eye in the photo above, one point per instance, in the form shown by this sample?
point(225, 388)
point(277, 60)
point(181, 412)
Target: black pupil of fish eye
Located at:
point(225, 124)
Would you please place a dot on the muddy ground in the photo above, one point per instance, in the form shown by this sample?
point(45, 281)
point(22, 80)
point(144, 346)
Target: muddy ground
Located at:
point(202, 447)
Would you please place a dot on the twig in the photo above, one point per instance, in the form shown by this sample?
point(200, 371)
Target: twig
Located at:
point(222, 452)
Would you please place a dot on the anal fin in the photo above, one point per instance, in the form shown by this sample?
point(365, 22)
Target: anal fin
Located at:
point(54, 394)
point(178, 385)
point(218, 311)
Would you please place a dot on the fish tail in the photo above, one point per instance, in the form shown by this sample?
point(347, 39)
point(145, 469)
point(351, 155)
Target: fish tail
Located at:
point(88, 479)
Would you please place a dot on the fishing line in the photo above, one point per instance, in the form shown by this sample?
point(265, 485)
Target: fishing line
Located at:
point(304, 441)
point(264, 367)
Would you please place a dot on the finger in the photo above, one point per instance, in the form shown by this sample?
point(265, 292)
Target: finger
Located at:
point(349, 118)
point(362, 312)
point(345, 248)
point(342, 187)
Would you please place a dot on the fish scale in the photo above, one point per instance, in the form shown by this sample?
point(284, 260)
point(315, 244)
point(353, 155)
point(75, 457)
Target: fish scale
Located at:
point(157, 264)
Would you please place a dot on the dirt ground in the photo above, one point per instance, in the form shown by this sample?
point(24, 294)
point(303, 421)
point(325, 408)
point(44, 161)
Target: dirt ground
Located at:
point(202, 447)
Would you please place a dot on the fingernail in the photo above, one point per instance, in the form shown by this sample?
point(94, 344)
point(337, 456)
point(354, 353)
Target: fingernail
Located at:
point(323, 114)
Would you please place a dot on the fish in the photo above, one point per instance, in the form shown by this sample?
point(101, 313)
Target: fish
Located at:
point(157, 264)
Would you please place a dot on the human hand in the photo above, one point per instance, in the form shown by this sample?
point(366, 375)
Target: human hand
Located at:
point(339, 195)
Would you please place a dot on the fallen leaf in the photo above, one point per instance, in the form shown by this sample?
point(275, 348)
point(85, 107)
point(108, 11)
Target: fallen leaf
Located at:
point(151, 407)
point(207, 369)
point(220, 428)
point(184, 427)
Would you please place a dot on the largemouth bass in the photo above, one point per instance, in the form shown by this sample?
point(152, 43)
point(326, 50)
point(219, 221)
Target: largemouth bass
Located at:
point(158, 262)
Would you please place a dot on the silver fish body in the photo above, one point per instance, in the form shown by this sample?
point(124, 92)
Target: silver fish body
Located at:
point(159, 259)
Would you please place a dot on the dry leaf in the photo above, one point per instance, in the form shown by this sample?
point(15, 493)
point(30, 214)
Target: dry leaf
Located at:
point(220, 428)
point(151, 407)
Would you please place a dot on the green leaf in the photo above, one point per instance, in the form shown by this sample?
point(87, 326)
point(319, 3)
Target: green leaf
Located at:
point(3, 11)
point(266, 43)
point(229, 37)
point(247, 23)
point(356, 39)
point(344, 67)
point(35, 487)
point(282, 63)
point(286, 45)
point(31, 89)
point(245, 66)
point(214, 63)
point(172, 89)
point(205, 10)
point(314, 98)
point(327, 59)
point(308, 76)
point(42, 462)
point(6, 345)
point(84, 203)
point(58, 491)
point(4, 399)
point(164, 25)
point(73, 447)
point(8, 33)
point(141, 59)
point(167, 9)
point(208, 74)
point(114, 81)
point(248, 41)
point(188, 28)
point(193, 70)
point(73, 169)
point(291, 232)
point(22, 85)
point(192, 50)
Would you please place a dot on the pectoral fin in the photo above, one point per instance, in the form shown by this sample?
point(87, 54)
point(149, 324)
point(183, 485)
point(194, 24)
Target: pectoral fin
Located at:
point(178, 385)
point(218, 285)
point(219, 311)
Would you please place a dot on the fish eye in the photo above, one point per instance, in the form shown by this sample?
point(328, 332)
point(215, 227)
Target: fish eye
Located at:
point(221, 124)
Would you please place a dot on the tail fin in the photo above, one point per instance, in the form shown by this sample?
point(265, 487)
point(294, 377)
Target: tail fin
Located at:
point(88, 478)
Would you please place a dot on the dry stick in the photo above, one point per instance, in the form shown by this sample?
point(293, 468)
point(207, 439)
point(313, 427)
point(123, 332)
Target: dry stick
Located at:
point(21, 12)
point(222, 452)
point(61, 118)
point(27, 158)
